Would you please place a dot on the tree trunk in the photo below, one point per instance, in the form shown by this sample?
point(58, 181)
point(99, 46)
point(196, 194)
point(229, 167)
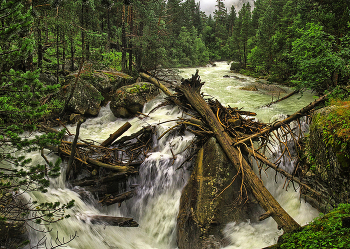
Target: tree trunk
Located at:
point(116, 134)
point(63, 37)
point(72, 52)
point(40, 47)
point(123, 41)
point(109, 220)
point(291, 118)
point(191, 90)
point(130, 37)
point(119, 198)
point(57, 53)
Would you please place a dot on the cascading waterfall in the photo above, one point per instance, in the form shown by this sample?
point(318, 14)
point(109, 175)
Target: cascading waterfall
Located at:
point(156, 204)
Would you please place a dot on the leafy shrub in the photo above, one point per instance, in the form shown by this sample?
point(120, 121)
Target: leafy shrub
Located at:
point(324, 232)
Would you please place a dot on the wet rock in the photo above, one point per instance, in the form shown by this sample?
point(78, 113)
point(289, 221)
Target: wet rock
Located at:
point(74, 117)
point(210, 200)
point(128, 101)
point(235, 67)
point(327, 167)
point(106, 81)
point(271, 89)
point(249, 88)
point(94, 88)
point(86, 99)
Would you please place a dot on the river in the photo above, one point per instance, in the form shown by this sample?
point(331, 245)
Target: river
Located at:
point(156, 205)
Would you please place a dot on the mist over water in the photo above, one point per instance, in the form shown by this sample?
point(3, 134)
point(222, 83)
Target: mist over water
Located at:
point(155, 207)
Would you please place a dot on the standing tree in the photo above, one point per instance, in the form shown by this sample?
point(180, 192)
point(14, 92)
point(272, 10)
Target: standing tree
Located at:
point(20, 96)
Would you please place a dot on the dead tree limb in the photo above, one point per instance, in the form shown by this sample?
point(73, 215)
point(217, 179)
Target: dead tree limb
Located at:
point(191, 90)
point(119, 198)
point(291, 118)
point(116, 134)
point(119, 168)
point(279, 100)
point(108, 220)
point(74, 146)
point(155, 82)
point(264, 160)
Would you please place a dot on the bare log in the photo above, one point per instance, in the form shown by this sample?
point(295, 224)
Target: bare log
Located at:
point(108, 220)
point(156, 83)
point(291, 118)
point(110, 166)
point(119, 198)
point(134, 135)
point(103, 180)
point(74, 146)
point(281, 171)
point(279, 100)
point(191, 90)
point(120, 168)
point(116, 134)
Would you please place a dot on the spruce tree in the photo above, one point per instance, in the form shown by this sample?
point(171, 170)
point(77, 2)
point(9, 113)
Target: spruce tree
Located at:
point(20, 103)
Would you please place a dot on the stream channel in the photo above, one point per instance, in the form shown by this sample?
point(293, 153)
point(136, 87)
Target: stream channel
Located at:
point(155, 207)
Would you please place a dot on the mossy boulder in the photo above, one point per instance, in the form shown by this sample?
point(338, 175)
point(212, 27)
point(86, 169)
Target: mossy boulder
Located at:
point(86, 99)
point(211, 199)
point(235, 67)
point(327, 163)
point(129, 100)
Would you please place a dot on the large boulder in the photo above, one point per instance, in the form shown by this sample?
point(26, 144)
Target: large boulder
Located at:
point(327, 165)
point(94, 88)
point(129, 100)
point(86, 99)
point(106, 81)
point(211, 199)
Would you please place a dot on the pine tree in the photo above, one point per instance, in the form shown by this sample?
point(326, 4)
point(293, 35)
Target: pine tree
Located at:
point(20, 95)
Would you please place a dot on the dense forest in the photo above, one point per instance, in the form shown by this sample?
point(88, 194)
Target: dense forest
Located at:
point(305, 43)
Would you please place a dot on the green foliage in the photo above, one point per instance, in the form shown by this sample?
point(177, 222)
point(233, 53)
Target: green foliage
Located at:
point(336, 128)
point(324, 232)
point(21, 107)
point(113, 59)
point(318, 63)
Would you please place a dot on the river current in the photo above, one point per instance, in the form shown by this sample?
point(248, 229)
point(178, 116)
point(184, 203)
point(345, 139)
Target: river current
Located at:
point(156, 204)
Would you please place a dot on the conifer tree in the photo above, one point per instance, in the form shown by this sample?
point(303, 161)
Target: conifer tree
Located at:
point(20, 108)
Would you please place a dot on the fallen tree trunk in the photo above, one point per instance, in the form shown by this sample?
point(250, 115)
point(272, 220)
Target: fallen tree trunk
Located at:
point(279, 100)
point(155, 82)
point(94, 162)
point(264, 160)
point(119, 198)
point(102, 180)
point(279, 124)
point(108, 220)
point(191, 90)
point(116, 134)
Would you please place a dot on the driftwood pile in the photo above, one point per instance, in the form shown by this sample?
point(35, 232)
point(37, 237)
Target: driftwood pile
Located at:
point(237, 131)
point(106, 168)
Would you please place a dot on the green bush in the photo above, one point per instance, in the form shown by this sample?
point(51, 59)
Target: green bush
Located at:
point(324, 232)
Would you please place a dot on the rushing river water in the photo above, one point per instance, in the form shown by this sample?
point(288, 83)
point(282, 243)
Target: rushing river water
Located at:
point(156, 204)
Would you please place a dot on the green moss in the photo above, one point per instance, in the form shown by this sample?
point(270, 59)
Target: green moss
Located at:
point(138, 88)
point(335, 128)
point(324, 232)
